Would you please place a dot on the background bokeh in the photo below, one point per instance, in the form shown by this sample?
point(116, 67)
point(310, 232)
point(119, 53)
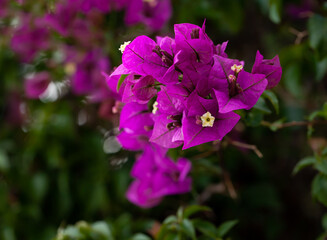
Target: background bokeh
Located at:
point(60, 162)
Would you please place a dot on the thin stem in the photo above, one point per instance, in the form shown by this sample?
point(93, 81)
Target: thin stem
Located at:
point(246, 146)
point(292, 124)
point(227, 180)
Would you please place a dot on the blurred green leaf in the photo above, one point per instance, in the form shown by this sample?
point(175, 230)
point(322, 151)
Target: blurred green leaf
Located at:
point(140, 236)
point(305, 162)
point(188, 228)
point(4, 161)
point(262, 106)
point(39, 186)
point(275, 8)
point(254, 117)
point(104, 229)
point(171, 236)
point(71, 232)
point(324, 222)
point(7, 233)
point(321, 164)
point(180, 213)
point(321, 69)
point(170, 219)
point(190, 210)
point(207, 228)
point(320, 113)
point(224, 228)
point(292, 80)
point(319, 188)
point(317, 27)
point(276, 125)
point(271, 96)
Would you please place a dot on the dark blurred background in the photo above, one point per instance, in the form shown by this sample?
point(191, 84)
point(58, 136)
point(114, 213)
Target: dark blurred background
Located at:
point(60, 162)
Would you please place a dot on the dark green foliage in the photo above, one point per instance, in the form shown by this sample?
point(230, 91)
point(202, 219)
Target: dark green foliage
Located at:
point(56, 179)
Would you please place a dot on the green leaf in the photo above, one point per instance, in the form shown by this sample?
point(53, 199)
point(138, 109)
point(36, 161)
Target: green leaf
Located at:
point(140, 236)
point(171, 236)
point(4, 161)
point(324, 222)
point(180, 213)
point(275, 11)
point(224, 228)
point(292, 80)
point(321, 69)
point(39, 185)
point(121, 80)
point(170, 219)
point(254, 118)
point(305, 162)
point(205, 227)
point(163, 232)
point(271, 96)
point(324, 151)
point(8, 233)
point(188, 228)
point(276, 125)
point(103, 229)
point(262, 106)
point(321, 165)
point(72, 232)
point(317, 27)
point(194, 209)
point(319, 188)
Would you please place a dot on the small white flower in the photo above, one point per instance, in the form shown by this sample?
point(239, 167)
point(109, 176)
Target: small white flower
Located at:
point(155, 107)
point(237, 68)
point(207, 120)
point(123, 46)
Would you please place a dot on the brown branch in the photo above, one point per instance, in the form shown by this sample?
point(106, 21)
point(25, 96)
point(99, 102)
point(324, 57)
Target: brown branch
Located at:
point(246, 146)
point(203, 155)
point(229, 185)
point(209, 190)
point(292, 124)
point(299, 35)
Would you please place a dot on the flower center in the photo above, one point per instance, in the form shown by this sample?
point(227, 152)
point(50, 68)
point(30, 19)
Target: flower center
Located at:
point(195, 34)
point(207, 120)
point(237, 68)
point(123, 46)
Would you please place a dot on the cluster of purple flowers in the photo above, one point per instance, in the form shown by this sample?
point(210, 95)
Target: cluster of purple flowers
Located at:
point(79, 23)
point(183, 91)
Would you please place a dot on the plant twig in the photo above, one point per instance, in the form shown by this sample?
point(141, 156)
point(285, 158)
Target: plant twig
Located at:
point(229, 185)
point(299, 35)
point(209, 190)
point(227, 180)
point(292, 124)
point(246, 146)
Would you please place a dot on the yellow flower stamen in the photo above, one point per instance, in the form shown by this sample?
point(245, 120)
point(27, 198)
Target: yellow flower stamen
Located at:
point(207, 120)
point(237, 68)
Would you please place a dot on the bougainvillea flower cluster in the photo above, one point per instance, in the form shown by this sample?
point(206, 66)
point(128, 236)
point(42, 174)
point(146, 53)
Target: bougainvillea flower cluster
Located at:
point(80, 26)
point(184, 90)
point(156, 176)
point(194, 86)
